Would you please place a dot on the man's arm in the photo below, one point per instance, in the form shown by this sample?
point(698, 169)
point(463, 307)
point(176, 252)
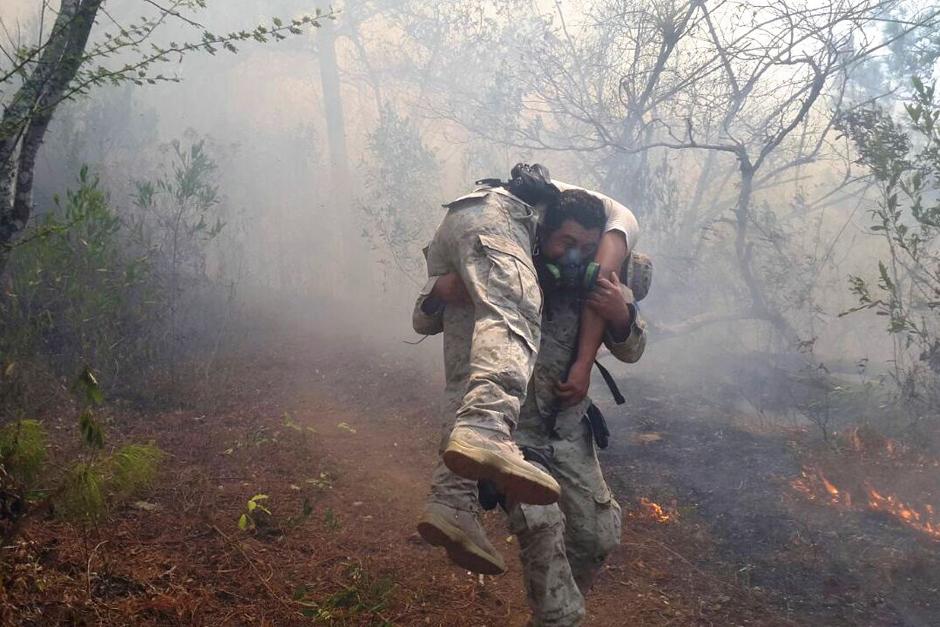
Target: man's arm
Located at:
point(627, 343)
point(610, 256)
point(628, 348)
point(428, 315)
point(621, 233)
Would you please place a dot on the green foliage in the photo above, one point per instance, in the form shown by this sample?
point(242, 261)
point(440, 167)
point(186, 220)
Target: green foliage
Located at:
point(97, 481)
point(133, 468)
point(87, 385)
point(248, 520)
point(91, 486)
point(132, 54)
point(23, 450)
point(904, 159)
point(82, 494)
point(125, 295)
point(78, 293)
point(331, 520)
point(178, 214)
point(361, 600)
point(92, 434)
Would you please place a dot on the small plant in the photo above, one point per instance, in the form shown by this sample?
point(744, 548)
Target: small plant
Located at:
point(306, 510)
point(88, 485)
point(290, 424)
point(23, 450)
point(96, 479)
point(360, 601)
point(249, 518)
point(331, 520)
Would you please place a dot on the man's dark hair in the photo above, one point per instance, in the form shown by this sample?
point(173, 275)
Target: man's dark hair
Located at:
point(575, 204)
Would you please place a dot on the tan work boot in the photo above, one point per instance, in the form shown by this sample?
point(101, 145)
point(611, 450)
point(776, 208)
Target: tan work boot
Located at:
point(483, 454)
point(461, 535)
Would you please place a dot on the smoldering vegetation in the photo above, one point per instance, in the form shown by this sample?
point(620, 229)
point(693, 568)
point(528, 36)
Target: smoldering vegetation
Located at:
point(207, 188)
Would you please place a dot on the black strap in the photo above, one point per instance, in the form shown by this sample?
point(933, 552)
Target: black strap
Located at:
point(611, 384)
point(598, 426)
point(491, 182)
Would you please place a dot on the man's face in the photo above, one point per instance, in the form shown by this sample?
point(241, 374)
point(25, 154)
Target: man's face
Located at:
point(570, 235)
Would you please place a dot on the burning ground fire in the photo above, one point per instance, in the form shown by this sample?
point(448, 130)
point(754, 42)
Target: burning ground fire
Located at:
point(654, 512)
point(814, 485)
point(922, 521)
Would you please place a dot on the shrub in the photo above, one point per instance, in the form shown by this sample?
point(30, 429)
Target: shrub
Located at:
point(23, 450)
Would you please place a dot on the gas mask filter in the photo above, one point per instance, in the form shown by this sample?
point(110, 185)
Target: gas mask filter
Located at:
point(571, 273)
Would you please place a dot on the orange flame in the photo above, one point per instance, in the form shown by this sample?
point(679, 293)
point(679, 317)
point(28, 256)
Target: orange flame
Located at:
point(813, 484)
point(654, 512)
point(890, 504)
point(810, 480)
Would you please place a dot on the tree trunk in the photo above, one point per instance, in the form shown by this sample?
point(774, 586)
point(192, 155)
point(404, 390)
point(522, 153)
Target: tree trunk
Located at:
point(26, 120)
point(743, 250)
point(333, 107)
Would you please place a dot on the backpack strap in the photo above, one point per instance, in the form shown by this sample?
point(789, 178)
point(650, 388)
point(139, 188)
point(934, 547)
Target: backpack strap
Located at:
point(611, 384)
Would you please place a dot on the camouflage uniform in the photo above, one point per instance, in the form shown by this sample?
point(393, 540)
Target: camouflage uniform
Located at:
point(563, 545)
point(486, 237)
point(490, 347)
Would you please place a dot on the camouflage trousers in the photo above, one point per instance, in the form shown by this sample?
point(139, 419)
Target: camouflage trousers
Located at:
point(563, 545)
point(490, 348)
point(487, 239)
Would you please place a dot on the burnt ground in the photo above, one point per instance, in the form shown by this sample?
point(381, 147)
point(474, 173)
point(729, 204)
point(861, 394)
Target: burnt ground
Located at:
point(756, 495)
point(343, 444)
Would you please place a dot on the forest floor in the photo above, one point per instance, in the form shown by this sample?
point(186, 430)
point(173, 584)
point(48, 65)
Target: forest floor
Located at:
point(726, 522)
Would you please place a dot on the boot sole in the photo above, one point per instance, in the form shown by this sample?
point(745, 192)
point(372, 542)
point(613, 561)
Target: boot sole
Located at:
point(460, 549)
point(520, 483)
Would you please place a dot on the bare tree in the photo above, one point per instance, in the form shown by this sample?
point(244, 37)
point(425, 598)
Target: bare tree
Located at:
point(755, 87)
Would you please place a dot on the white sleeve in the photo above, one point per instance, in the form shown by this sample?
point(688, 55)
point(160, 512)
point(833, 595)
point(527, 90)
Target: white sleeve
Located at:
point(619, 218)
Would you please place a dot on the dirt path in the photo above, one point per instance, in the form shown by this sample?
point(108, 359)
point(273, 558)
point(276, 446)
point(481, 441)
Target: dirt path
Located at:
point(343, 444)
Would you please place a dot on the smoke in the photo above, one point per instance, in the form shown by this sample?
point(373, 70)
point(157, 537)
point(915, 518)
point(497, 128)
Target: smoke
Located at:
point(324, 225)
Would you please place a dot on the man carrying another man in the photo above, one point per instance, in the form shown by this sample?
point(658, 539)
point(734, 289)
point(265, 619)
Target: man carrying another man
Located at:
point(488, 238)
point(560, 560)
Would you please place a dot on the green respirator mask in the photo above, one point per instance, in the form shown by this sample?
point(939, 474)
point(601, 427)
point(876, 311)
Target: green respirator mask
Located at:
point(571, 273)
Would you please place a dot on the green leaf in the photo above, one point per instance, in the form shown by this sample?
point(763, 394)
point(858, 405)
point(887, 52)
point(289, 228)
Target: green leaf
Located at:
point(87, 385)
point(243, 522)
point(92, 435)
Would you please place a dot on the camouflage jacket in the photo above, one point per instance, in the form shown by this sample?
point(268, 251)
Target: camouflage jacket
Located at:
point(559, 340)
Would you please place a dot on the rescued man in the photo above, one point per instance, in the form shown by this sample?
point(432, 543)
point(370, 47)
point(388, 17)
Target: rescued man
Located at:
point(563, 545)
point(487, 239)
